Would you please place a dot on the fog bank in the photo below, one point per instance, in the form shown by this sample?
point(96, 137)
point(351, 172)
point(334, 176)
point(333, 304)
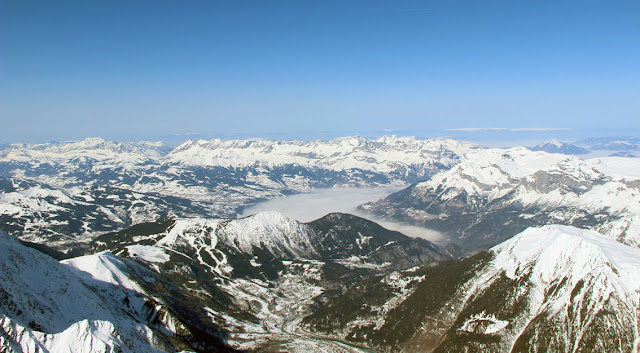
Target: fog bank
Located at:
point(311, 206)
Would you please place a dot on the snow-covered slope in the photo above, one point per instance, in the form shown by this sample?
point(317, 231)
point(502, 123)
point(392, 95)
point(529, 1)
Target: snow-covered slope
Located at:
point(541, 255)
point(227, 245)
point(554, 288)
point(84, 305)
point(38, 213)
point(493, 194)
point(267, 231)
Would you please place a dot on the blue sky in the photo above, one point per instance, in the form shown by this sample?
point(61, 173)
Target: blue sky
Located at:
point(145, 69)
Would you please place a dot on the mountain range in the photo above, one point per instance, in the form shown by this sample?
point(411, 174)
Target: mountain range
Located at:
point(213, 281)
point(493, 194)
point(93, 186)
point(268, 283)
point(138, 247)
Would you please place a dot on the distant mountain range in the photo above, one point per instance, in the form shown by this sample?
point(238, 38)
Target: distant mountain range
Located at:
point(585, 146)
point(93, 186)
point(627, 143)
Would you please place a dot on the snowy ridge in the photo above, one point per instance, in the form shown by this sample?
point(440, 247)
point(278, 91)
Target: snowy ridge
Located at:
point(567, 268)
point(487, 170)
point(484, 171)
point(51, 307)
point(385, 154)
point(551, 188)
point(80, 337)
point(102, 267)
point(554, 250)
point(90, 149)
point(270, 231)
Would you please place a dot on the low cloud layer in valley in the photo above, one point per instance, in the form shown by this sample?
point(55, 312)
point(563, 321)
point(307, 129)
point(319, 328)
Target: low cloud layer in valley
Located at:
point(311, 206)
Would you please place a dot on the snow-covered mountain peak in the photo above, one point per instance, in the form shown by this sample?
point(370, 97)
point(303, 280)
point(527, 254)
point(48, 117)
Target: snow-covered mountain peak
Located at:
point(555, 146)
point(555, 251)
point(270, 231)
point(555, 143)
point(483, 170)
point(267, 217)
point(89, 142)
point(549, 289)
point(487, 168)
point(102, 267)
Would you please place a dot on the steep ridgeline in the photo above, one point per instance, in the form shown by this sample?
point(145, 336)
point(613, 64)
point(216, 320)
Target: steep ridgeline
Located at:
point(88, 304)
point(549, 289)
point(493, 194)
point(256, 277)
point(94, 185)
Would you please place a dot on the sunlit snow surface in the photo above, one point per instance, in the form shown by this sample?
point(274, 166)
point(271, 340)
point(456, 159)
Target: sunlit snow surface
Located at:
point(385, 154)
point(604, 187)
point(53, 307)
point(570, 252)
point(148, 253)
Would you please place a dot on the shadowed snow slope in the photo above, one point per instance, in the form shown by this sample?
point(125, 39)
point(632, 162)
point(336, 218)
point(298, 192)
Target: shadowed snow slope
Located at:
point(87, 304)
point(335, 236)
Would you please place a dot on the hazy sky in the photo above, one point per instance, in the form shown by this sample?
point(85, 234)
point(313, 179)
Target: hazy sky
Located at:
point(70, 69)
